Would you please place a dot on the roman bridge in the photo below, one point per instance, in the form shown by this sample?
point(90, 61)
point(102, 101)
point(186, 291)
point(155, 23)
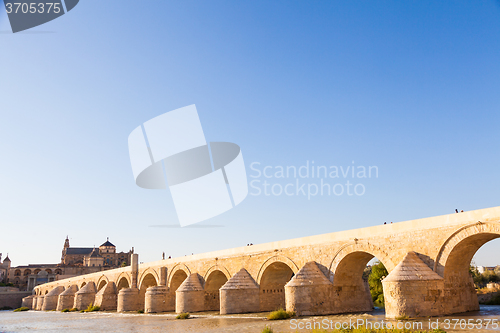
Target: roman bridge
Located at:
point(427, 260)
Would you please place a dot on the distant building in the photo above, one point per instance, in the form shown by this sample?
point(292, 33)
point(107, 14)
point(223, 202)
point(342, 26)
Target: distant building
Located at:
point(482, 269)
point(80, 256)
point(74, 261)
point(4, 269)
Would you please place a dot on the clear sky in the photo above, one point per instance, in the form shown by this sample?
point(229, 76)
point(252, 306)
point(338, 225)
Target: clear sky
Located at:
point(411, 87)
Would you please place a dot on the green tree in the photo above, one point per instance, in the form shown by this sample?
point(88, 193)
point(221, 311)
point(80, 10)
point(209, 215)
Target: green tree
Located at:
point(375, 282)
point(490, 276)
point(479, 279)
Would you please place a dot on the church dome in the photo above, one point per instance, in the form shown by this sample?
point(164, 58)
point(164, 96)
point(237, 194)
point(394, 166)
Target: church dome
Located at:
point(107, 243)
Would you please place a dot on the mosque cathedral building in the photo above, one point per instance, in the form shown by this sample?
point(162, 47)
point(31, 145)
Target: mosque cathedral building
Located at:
point(74, 261)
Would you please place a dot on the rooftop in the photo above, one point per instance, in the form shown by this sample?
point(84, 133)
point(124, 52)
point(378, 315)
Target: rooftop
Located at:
point(79, 250)
point(107, 243)
point(95, 254)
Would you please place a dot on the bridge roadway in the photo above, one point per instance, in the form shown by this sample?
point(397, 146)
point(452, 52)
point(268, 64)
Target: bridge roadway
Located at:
point(427, 260)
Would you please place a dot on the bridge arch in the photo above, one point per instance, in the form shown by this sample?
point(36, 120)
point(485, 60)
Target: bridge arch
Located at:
point(346, 273)
point(364, 250)
point(458, 250)
point(214, 278)
point(272, 277)
point(453, 262)
point(148, 278)
point(102, 282)
point(219, 268)
point(82, 284)
point(147, 275)
point(123, 281)
point(177, 275)
point(69, 284)
point(277, 258)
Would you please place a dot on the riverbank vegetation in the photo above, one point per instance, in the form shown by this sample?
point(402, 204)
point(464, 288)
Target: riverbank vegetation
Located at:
point(184, 315)
point(280, 315)
point(482, 279)
point(23, 308)
point(92, 308)
point(375, 276)
point(487, 285)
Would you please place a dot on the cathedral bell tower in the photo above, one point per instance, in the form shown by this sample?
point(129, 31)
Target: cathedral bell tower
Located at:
point(66, 245)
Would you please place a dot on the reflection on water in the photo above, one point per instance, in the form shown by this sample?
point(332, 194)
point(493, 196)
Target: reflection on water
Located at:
point(204, 322)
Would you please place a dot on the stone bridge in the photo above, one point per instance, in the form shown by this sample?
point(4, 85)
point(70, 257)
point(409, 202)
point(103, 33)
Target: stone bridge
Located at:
point(427, 259)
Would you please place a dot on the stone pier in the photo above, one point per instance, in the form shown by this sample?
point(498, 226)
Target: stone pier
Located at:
point(190, 296)
point(51, 299)
point(85, 297)
point(157, 300)
point(309, 292)
point(28, 302)
point(128, 300)
point(67, 298)
point(412, 289)
point(39, 302)
point(240, 294)
point(106, 298)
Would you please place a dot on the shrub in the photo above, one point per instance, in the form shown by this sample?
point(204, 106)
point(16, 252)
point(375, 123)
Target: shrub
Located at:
point(495, 300)
point(23, 308)
point(73, 309)
point(403, 318)
point(185, 315)
point(280, 315)
point(378, 272)
point(140, 311)
point(92, 308)
point(267, 329)
point(481, 280)
point(65, 310)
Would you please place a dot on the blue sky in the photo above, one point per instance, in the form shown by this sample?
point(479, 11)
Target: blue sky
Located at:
point(410, 87)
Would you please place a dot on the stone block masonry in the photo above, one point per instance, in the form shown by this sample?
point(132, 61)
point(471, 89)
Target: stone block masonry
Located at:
point(427, 260)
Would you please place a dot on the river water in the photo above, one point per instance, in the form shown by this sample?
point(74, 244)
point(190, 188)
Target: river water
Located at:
point(212, 322)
